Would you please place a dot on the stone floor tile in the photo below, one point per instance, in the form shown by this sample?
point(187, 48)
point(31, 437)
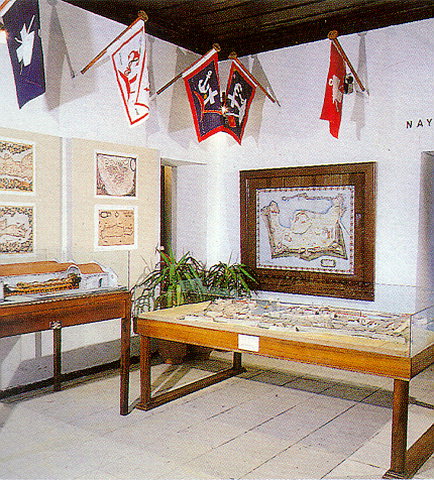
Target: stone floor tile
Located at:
point(355, 471)
point(297, 462)
point(373, 453)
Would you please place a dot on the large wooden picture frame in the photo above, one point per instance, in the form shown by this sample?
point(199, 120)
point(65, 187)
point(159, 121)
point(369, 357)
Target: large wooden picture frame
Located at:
point(311, 230)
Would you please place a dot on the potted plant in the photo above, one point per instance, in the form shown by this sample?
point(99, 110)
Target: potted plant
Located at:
point(173, 282)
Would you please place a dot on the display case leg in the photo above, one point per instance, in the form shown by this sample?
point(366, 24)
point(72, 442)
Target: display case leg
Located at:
point(399, 430)
point(57, 358)
point(145, 370)
point(125, 362)
point(236, 361)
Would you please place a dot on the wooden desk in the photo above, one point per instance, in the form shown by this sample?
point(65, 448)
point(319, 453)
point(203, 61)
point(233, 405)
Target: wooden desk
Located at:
point(58, 311)
point(166, 324)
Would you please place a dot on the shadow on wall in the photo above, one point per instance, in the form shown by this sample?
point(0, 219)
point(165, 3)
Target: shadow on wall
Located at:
point(254, 122)
point(425, 260)
point(57, 58)
point(152, 124)
point(180, 116)
point(6, 347)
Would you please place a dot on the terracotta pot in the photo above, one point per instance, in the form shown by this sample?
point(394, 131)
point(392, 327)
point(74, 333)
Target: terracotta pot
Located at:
point(172, 353)
point(201, 353)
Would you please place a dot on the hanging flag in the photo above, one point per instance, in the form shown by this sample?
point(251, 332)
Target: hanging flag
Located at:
point(130, 65)
point(334, 92)
point(239, 95)
point(22, 25)
point(203, 90)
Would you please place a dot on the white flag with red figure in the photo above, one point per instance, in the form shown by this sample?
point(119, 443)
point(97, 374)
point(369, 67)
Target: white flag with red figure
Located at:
point(130, 65)
point(334, 92)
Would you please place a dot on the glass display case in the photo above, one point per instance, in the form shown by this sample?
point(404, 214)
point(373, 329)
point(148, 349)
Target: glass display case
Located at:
point(400, 322)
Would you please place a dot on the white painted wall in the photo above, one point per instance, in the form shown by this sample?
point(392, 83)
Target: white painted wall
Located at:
point(400, 79)
point(399, 64)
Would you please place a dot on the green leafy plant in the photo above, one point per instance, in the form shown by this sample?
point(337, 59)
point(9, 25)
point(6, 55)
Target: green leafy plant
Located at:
point(229, 280)
point(175, 282)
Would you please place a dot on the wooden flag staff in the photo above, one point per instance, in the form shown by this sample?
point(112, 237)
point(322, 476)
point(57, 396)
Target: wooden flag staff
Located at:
point(3, 5)
point(233, 56)
point(333, 36)
point(141, 16)
point(215, 47)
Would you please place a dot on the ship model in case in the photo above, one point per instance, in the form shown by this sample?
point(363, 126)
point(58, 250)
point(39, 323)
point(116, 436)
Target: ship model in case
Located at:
point(48, 277)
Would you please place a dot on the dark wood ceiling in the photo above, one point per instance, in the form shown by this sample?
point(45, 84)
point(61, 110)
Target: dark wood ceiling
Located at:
point(253, 26)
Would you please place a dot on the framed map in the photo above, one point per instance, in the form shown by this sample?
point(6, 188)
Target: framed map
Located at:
point(116, 175)
point(116, 227)
point(16, 229)
point(16, 166)
point(310, 230)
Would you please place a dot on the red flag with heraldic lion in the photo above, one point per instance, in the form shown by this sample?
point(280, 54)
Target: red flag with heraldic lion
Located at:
point(334, 92)
point(203, 89)
point(130, 66)
point(239, 95)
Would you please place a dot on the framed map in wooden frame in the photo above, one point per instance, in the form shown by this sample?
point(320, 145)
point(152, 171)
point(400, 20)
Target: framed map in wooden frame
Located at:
point(310, 230)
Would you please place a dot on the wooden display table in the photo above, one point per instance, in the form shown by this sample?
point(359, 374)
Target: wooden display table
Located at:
point(18, 317)
point(167, 324)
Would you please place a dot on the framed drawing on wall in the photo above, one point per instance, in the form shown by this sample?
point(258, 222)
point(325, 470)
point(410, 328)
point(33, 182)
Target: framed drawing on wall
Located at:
point(116, 227)
point(310, 230)
point(116, 175)
point(16, 228)
point(16, 166)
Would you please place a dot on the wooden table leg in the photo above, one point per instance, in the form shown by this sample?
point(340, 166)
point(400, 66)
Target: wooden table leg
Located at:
point(125, 363)
point(236, 361)
point(57, 357)
point(145, 371)
point(399, 430)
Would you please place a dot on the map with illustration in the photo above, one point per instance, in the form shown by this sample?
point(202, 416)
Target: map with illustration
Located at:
point(116, 227)
point(16, 229)
point(308, 229)
point(16, 166)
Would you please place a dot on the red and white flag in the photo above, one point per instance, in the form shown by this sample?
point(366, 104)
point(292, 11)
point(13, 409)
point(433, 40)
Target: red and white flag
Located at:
point(334, 92)
point(130, 65)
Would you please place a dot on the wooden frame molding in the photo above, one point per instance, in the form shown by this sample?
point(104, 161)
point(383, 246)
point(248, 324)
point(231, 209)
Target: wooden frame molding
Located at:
point(312, 275)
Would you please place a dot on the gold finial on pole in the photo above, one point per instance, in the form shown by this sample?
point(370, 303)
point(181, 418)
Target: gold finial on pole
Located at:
point(216, 47)
point(333, 36)
point(233, 55)
point(143, 15)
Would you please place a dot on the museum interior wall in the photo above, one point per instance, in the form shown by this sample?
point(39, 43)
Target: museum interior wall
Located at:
point(83, 113)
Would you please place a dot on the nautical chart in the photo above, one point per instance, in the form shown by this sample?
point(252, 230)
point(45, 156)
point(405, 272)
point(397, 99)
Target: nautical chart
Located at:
point(115, 175)
point(310, 229)
point(116, 227)
point(16, 229)
point(16, 166)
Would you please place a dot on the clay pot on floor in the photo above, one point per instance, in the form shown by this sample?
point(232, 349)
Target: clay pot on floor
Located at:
point(172, 353)
point(198, 352)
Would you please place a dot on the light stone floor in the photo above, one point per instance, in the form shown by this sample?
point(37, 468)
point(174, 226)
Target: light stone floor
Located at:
point(279, 420)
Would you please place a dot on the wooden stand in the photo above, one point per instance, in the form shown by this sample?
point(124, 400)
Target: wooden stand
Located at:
point(18, 318)
point(166, 324)
point(405, 463)
point(147, 402)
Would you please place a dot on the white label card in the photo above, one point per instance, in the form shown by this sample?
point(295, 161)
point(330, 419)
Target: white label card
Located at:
point(248, 342)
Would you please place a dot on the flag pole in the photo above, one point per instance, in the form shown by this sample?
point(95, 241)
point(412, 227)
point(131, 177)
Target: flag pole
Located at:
point(141, 16)
point(3, 5)
point(234, 56)
point(215, 47)
point(333, 36)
